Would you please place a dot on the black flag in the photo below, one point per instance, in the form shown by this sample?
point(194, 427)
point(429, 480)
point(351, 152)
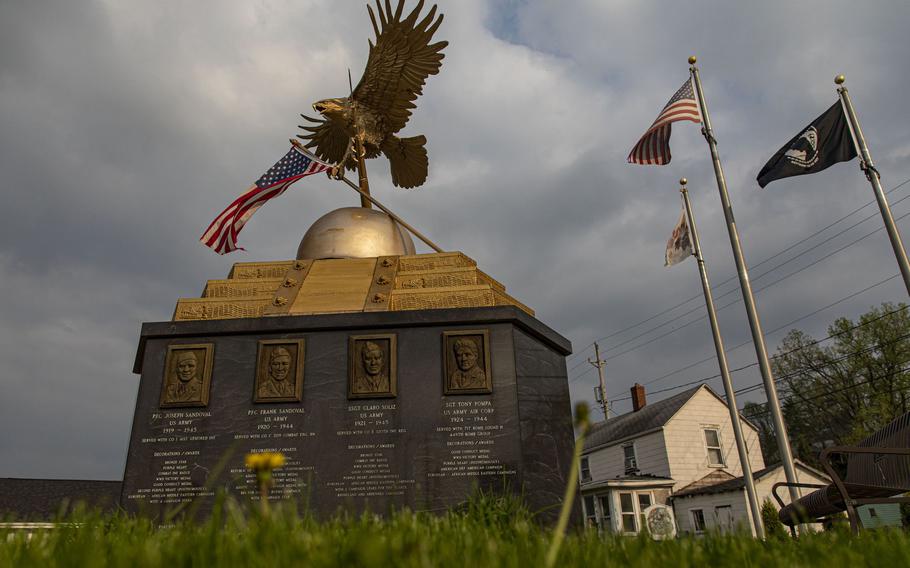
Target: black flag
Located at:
point(818, 146)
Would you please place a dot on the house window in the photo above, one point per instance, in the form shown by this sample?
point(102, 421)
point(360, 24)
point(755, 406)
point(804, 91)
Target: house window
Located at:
point(605, 511)
point(590, 512)
point(698, 520)
point(627, 511)
point(585, 469)
point(712, 442)
point(644, 501)
point(632, 505)
point(629, 458)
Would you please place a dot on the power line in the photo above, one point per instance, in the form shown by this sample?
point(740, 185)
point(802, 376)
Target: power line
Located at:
point(775, 267)
point(747, 342)
point(786, 325)
point(787, 249)
point(758, 412)
point(757, 290)
point(779, 355)
point(737, 300)
point(840, 359)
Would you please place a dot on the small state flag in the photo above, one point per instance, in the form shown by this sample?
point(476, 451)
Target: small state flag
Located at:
point(654, 146)
point(221, 236)
point(679, 247)
point(820, 145)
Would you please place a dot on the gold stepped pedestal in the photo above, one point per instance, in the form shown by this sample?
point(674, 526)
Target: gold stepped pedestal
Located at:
point(386, 283)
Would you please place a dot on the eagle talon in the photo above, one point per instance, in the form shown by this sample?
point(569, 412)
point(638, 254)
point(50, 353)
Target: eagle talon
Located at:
point(337, 172)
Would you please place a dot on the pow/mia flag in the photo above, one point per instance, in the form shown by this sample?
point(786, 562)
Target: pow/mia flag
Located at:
point(820, 145)
point(679, 247)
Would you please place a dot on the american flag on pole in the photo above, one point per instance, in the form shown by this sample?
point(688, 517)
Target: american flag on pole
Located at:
point(654, 147)
point(221, 236)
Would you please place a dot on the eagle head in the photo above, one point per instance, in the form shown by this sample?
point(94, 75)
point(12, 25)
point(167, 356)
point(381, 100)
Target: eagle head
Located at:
point(332, 108)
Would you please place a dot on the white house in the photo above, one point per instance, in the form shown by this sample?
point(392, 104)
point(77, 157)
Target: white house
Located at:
point(670, 452)
point(719, 501)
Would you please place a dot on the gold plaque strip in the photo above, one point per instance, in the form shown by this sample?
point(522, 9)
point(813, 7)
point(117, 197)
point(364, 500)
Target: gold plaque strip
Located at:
point(218, 308)
point(436, 278)
point(244, 270)
point(389, 283)
point(435, 260)
point(503, 299)
point(431, 299)
point(253, 287)
point(384, 279)
point(286, 292)
point(335, 285)
point(486, 278)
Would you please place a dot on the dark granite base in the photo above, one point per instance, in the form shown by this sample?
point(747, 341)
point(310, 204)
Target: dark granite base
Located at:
point(421, 449)
point(46, 499)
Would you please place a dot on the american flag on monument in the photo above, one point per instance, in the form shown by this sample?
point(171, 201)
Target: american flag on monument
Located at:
point(221, 236)
point(654, 146)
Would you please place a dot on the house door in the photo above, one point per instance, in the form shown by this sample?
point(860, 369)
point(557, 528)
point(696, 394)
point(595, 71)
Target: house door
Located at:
point(724, 515)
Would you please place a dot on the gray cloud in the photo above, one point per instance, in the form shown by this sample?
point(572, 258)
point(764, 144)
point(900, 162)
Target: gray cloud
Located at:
point(124, 128)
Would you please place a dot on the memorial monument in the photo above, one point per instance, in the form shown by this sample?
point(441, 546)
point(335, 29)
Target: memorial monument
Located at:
point(388, 379)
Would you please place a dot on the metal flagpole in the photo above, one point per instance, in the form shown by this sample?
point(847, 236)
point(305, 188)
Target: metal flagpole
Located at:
point(602, 396)
point(724, 369)
point(361, 173)
point(758, 338)
point(872, 175)
point(399, 220)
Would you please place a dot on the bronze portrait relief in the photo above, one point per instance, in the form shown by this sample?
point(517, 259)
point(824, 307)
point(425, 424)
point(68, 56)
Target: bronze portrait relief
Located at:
point(372, 361)
point(466, 362)
point(187, 375)
point(279, 370)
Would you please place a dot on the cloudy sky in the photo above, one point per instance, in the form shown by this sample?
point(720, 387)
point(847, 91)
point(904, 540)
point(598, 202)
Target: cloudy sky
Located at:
point(126, 126)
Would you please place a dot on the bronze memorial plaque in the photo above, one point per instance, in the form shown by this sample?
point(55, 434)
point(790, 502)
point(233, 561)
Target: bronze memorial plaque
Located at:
point(279, 370)
point(466, 358)
point(372, 366)
point(187, 375)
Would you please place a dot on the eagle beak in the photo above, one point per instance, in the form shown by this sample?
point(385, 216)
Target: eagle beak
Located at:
point(318, 108)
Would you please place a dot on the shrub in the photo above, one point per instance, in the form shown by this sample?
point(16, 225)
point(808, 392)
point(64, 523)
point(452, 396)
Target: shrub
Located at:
point(774, 529)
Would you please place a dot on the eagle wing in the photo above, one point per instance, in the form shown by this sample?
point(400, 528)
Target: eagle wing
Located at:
point(327, 138)
point(399, 63)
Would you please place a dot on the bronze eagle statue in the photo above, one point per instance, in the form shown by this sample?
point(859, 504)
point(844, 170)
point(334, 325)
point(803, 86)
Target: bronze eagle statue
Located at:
point(380, 106)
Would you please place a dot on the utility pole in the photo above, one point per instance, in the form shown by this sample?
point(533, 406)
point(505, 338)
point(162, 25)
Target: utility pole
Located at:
point(600, 393)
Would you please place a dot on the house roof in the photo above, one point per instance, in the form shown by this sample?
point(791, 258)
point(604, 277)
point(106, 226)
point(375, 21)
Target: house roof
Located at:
point(653, 415)
point(704, 486)
point(716, 478)
point(641, 477)
point(637, 480)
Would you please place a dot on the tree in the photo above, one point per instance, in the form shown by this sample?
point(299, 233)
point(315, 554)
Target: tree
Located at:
point(774, 529)
point(838, 390)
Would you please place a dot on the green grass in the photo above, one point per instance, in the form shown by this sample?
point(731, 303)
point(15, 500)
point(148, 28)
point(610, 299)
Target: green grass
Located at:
point(486, 532)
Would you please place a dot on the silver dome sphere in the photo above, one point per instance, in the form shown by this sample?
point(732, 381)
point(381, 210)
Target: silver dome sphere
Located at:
point(355, 232)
